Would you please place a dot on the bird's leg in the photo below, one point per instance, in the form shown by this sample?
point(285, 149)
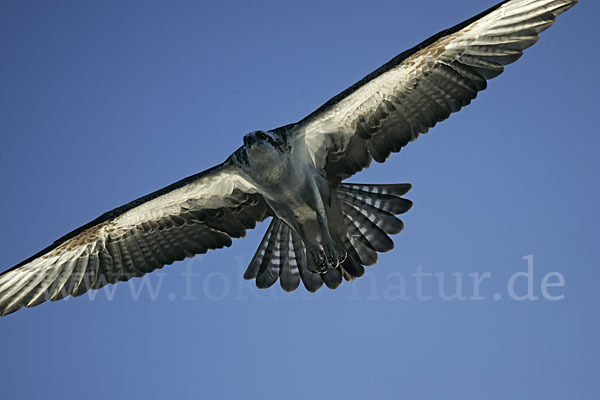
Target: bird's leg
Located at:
point(315, 257)
point(334, 254)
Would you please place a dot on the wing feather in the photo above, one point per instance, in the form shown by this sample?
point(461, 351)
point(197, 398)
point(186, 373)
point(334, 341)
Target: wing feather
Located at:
point(202, 212)
point(422, 86)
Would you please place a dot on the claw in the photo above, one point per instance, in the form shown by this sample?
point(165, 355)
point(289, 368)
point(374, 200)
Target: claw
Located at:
point(332, 255)
point(342, 254)
point(336, 254)
point(317, 263)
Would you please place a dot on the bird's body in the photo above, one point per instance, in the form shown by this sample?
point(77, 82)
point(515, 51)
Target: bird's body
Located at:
point(322, 230)
point(296, 191)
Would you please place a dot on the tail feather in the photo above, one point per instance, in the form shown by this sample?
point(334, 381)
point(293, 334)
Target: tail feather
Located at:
point(268, 272)
point(281, 255)
point(332, 278)
point(384, 201)
point(352, 268)
point(366, 254)
point(312, 282)
point(397, 190)
point(289, 273)
point(383, 219)
point(370, 233)
point(369, 218)
point(255, 263)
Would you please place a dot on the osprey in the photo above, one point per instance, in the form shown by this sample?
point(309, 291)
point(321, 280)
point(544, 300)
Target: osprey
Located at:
point(322, 230)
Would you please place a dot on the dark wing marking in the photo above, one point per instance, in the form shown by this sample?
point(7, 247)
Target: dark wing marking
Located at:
point(192, 216)
point(421, 87)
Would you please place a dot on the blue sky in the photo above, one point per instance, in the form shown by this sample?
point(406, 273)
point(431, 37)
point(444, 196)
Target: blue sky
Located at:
point(103, 102)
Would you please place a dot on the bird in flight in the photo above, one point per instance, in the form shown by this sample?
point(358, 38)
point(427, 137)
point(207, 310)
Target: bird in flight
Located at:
point(322, 230)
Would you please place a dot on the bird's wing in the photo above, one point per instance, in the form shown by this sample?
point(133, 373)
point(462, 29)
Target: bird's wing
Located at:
point(204, 211)
point(422, 86)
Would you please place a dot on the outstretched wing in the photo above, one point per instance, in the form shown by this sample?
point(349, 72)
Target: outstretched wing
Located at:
point(422, 86)
point(202, 212)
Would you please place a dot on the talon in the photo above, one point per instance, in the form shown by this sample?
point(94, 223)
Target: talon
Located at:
point(317, 263)
point(342, 254)
point(330, 253)
point(335, 253)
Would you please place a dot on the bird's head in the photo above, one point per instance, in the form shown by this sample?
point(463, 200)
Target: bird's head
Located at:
point(260, 141)
point(265, 155)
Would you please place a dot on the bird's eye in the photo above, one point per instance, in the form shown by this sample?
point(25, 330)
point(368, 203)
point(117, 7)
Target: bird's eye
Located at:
point(261, 135)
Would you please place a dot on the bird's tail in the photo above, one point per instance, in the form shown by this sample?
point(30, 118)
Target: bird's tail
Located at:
point(369, 215)
point(281, 255)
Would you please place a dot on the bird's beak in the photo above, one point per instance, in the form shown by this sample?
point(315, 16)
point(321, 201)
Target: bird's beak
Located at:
point(249, 141)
